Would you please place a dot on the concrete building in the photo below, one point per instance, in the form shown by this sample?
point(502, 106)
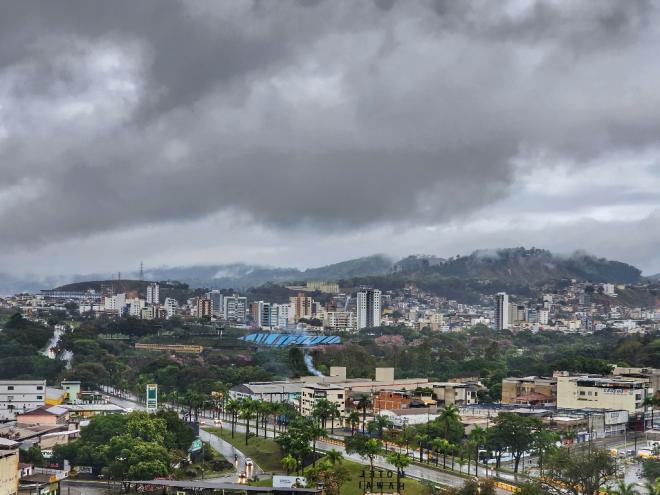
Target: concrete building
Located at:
point(153, 293)
point(204, 308)
point(598, 392)
point(340, 320)
point(216, 298)
point(459, 394)
point(268, 391)
point(311, 393)
point(45, 415)
point(369, 309)
point(529, 390)
point(8, 467)
point(320, 286)
point(115, 303)
point(302, 306)
point(502, 311)
point(235, 308)
point(19, 396)
point(170, 307)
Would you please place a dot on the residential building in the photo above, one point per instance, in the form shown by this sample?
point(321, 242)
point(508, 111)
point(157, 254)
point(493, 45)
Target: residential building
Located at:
point(502, 311)
point(170, 307)
point(392, 399)
point(598, 392)
point(44, 415)
point(368, 308)
point(235, 308)
point(311, 393)
point(216, 298)
point(340, 320)
point(204, 308)
point(459, 394)
point(8, 467)
point(115, 303)
point(18, 396)
point(153, 293)
point(302, 306)
point(529, 390)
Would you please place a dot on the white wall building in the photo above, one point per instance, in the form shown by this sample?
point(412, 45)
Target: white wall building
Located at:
point(235, 308)
point(115, 303)
point(153, 293)
point(170, 306)
point(18, 396)
point(368, 308)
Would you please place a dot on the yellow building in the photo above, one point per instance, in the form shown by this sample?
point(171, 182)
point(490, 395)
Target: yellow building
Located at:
point(8, 467)
point(313, 392)
point(598, 392)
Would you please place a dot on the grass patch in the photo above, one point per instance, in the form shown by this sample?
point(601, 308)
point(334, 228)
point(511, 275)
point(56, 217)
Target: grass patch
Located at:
point(264, 451)
point(351, 487)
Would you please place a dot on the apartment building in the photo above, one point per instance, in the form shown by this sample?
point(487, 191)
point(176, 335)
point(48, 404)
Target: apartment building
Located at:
point(204, 308)
point(598, 392)
point(529, 390)
point(302, 306)
point(18, 396)
point(369, 308)
point(235, 308)
point(452, 393)
point(311, 393)
point(340, 320)
point(153, 293)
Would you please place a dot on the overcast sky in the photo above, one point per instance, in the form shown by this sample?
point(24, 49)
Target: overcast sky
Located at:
point(300, 133)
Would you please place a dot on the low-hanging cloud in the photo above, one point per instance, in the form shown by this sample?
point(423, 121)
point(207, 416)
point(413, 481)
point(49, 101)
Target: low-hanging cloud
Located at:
point(322, 114)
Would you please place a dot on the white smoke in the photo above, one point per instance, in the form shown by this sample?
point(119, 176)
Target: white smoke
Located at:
point(309, 362)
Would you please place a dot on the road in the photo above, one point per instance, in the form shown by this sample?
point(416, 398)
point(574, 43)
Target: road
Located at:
point(228, 451)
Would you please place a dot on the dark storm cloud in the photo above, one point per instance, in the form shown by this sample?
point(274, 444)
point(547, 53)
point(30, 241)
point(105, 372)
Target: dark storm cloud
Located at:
point(324, 113)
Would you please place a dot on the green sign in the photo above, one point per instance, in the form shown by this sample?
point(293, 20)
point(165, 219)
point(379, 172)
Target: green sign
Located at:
point(196, 446)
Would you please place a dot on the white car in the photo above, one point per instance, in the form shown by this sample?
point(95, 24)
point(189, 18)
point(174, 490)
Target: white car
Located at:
point(248, 462)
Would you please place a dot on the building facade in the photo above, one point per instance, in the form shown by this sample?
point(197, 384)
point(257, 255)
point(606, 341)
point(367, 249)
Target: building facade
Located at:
point(19, 396)
point(501, 311)
point(368, 308)
point(598, 392)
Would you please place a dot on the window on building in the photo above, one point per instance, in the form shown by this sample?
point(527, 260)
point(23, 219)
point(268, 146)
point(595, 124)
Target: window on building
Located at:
point(10, 387)
point(39, 397)
point(340, 396)
point(40, 387)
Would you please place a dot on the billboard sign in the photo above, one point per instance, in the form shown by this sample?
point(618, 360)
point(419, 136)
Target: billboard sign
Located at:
point(289, 481)
point(152, 397)
point(196, 445)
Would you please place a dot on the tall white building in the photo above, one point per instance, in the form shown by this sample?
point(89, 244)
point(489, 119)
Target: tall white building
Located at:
point(18, 396)
point(115, 303)
point(153, 293)
point(368, 308)
point(170, 306)
point(502, 311)
point(235, 308)
point(285, 315)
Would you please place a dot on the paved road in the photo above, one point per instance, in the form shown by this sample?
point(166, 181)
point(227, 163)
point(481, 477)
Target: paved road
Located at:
point(413, 471)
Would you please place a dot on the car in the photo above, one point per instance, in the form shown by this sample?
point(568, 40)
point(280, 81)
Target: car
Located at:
point(217, 422)
point(242, 478)
point(202, 422)
point(248, 462)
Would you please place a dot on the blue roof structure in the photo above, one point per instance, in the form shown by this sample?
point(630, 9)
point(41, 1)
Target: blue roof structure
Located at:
point(287, 339)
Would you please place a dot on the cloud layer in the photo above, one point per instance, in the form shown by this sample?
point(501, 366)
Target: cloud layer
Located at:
point(326, 119)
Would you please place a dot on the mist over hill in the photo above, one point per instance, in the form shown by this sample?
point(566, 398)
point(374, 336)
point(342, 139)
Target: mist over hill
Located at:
point(511, 267)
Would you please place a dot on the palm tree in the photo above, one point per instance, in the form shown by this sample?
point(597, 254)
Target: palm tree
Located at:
point(248, 408)
point(441, 445)
point(623, 488)
point(354, 420)
point(478, 438)
point(364, 403)
point(315, 431)
point(449, 416)
point(289, 463)
point(232, 407)
point(321, 411)
point(400, 462)
point(382, 422)
point(421, 441)
point(335, 413)
point(334, 457)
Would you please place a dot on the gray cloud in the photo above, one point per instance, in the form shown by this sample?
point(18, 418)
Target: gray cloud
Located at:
point(315, 115)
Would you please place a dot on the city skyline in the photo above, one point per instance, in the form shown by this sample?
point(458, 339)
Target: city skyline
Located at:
point(308, 133)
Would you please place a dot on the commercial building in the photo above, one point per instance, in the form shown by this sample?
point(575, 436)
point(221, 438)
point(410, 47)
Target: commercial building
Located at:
point(368, 308)
point(18, 396)
point(327, 287)
point(340, 320)
point(529, 390)
point(598, 392)
point(268, 391)
point(502, 311)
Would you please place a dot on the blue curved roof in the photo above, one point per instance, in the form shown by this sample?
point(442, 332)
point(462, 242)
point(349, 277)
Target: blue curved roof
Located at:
point(287, 339)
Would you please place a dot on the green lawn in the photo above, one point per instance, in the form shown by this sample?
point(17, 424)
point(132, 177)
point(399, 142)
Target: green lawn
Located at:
point(264, 451)
point(352, 487)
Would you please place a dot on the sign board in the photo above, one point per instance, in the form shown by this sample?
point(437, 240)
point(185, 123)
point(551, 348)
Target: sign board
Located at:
point(84, 469)
point(152, 397)
point(380, 480)
point(196, 445)
point(616, 417)
point(289, 481)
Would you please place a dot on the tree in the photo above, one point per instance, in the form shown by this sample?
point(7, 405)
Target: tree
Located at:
point(364, 447)
point(354, 420)
point(478, 438)
point(330, 475)
point(380, 424)
point(578, 472)
point(364, 403)
point(248, 407)
point(334, 457)
point(517, 433)
point(289, 463)
point(623, 488)
point(233, 407)
point(543, 441)
point(400, 462)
